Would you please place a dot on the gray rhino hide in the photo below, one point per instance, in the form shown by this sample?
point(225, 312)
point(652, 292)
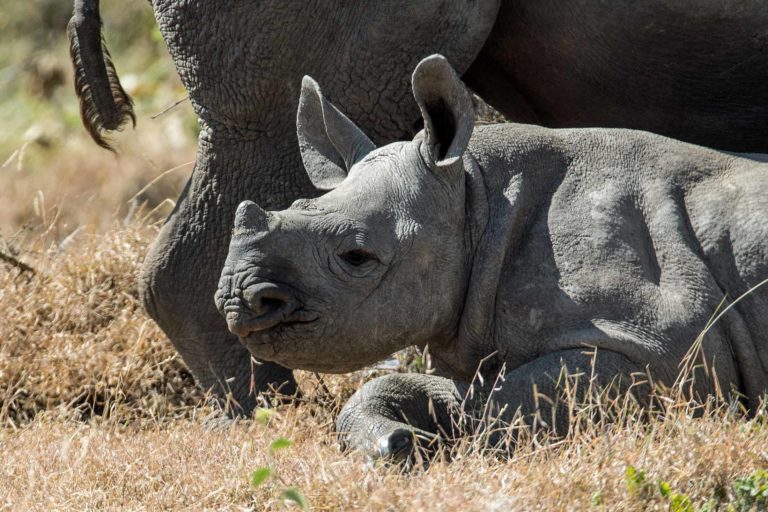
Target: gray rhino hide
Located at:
point(695, 70)
point(598, 250)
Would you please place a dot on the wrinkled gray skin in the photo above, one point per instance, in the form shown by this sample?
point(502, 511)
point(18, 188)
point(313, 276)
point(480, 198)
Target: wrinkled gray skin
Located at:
point(524, 248)
point(695, 70)
point(242, 63)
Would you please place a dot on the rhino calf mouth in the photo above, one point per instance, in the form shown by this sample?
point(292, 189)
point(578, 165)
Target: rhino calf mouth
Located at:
point(244, 327)
point(242, 324)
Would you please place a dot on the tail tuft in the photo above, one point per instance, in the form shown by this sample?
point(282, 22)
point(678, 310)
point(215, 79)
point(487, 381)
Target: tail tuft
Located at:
point(104, 104)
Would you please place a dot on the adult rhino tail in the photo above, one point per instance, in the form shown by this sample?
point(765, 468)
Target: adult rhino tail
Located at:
point(104, 104)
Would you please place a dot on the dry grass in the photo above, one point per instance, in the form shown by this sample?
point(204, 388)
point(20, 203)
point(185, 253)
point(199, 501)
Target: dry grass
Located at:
point(98, 412)
point(75, 340)
point(182, 465)
point(55, 183)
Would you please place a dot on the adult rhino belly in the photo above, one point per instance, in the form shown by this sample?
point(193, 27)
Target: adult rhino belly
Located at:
point(694, 70)
point(243, 61)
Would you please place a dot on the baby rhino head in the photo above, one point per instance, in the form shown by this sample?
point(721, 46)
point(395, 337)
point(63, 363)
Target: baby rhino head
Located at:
point(250, 301)
point(376, 264)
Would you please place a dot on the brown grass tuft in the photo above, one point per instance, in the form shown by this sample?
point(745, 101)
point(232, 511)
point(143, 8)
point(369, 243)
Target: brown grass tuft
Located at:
point(75, 339)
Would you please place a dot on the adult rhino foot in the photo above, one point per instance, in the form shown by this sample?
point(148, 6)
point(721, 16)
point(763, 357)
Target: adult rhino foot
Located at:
point(218, 421)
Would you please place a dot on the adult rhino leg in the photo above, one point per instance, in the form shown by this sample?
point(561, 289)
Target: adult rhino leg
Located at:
point(392, 415)
point(245, 89)
point(486, 79)
point(180, 273)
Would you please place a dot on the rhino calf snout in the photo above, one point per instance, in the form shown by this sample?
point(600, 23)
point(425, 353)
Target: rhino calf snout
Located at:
point(263, 306)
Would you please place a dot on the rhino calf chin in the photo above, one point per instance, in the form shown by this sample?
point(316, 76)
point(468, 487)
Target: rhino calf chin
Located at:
point(529, 250)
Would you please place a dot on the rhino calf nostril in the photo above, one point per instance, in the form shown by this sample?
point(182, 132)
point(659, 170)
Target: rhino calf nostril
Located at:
point(268, 305)
point(270, 302)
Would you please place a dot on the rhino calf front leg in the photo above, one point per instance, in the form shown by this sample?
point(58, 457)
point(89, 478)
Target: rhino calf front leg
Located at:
point(389, 415)
point(386, 416)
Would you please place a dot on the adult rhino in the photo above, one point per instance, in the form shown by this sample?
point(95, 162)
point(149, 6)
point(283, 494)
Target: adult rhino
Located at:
point(691, 69)
point(512, 249)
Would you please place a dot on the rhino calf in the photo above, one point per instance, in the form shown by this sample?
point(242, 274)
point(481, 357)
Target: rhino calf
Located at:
point(526, 249)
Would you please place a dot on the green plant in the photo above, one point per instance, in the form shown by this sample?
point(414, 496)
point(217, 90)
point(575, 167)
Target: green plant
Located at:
point(637, 483)
point(751, 492)
point(262, 474)
point(680, 503)
point(641, 487)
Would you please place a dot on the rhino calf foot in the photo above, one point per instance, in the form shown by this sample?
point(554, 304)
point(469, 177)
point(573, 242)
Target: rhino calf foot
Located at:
point(399, 418)
point(380, 438)
point(398, 445)
point(408, 447)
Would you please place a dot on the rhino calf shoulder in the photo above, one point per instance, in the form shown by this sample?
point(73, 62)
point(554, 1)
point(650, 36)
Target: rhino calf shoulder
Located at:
point(512, 250)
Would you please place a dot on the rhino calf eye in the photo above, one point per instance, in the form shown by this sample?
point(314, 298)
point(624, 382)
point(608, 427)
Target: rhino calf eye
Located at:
point(357, 257)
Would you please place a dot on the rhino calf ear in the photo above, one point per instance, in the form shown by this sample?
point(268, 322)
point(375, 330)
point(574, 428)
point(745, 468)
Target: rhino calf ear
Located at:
point(447, 109)
point(330, 143)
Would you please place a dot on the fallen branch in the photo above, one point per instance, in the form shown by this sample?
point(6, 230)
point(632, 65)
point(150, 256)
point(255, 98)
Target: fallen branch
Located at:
point(15, 262)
